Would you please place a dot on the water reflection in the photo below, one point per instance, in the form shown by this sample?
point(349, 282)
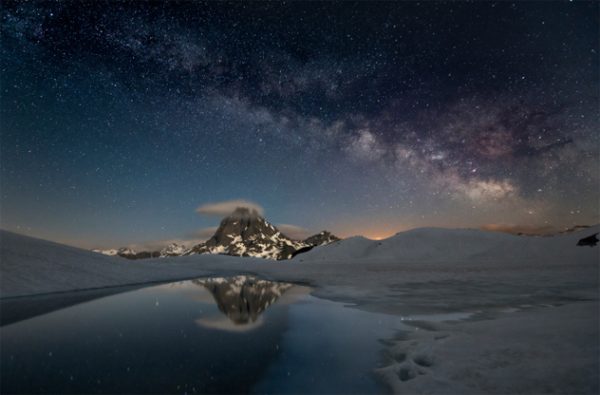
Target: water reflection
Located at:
point(243, 298)
point(215, 335)
point(220, 335)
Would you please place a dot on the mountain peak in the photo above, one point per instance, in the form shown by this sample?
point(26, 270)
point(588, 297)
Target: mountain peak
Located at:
point(244, 232)
point(242, 225)
point(244, 212)
point(173, 249)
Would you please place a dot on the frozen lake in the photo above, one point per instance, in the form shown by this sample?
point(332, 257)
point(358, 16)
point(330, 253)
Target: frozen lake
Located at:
point(497, 326)
point(216, 335)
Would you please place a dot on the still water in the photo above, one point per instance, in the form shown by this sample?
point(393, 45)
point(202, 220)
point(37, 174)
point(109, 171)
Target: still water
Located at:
point(215, 335)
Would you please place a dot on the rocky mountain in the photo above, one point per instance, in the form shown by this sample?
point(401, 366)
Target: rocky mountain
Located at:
point(173, 249)
point(129, 253)
point(246, 233)
point(591, 240)
point(110, 252)
point(322, 238)
point(242, 233)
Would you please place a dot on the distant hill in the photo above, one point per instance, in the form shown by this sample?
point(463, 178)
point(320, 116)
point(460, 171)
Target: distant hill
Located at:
point(456, 245)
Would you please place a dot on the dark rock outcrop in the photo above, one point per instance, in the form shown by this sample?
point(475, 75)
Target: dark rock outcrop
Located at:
point(591, 241)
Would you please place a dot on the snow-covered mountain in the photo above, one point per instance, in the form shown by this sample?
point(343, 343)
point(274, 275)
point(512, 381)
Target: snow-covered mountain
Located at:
point(434, 245)
point(246, 233)
point(242, 233)
point(320, 239)
point(173, 249)
point(129, 253)
point(109, 252)
point(125, 252)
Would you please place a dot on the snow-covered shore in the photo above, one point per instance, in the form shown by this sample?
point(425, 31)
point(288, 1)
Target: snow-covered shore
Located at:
point(536, 350)
point(33, 266)
point(548, 284)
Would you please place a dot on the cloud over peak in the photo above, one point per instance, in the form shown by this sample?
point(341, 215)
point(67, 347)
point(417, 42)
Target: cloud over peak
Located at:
point(224, 208)
point(293, 231)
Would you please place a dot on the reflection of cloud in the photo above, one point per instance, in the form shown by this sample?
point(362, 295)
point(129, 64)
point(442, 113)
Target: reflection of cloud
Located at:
point(222, 209)
point(225, 324)
point(189, 289)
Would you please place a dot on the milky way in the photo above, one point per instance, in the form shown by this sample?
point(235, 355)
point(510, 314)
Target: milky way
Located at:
point(118, 120)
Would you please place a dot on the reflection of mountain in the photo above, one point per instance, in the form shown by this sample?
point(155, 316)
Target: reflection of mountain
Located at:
point(243, 298)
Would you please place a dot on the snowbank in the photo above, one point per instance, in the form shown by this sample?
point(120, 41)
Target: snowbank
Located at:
point(34, 266)
point(431, 245)
point(534, 351)
point(549, 345)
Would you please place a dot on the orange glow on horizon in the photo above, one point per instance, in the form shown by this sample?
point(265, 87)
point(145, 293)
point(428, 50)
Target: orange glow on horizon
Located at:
point(379, 236)
point(376, 230)
point(376, 234)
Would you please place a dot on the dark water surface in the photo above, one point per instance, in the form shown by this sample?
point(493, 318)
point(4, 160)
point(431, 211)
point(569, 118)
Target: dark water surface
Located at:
point(216, 335)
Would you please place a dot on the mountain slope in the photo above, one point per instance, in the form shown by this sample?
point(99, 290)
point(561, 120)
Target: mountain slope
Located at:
point(439, 245)
point(129, 253)
point(245, 233)
point(34, 266)
point(322, 238)
point(173, 249)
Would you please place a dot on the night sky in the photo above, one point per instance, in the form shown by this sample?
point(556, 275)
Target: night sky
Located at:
point(119, 120)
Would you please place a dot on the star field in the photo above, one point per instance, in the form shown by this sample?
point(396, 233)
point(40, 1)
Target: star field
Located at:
point(119, 119)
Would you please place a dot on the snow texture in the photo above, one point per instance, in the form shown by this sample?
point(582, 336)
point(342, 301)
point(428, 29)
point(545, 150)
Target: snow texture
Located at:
point(533, 300)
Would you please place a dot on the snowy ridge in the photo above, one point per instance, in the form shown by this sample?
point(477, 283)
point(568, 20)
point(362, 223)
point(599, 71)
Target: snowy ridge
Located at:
point(124, 252)
point(245, 233)
point(111, 252)
point(437, 245)
point(172, 249)
point(31, 266)
point(552, 295)
point(322, 238)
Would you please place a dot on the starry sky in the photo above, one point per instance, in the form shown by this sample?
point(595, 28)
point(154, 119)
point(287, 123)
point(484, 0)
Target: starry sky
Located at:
point(125, 123)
